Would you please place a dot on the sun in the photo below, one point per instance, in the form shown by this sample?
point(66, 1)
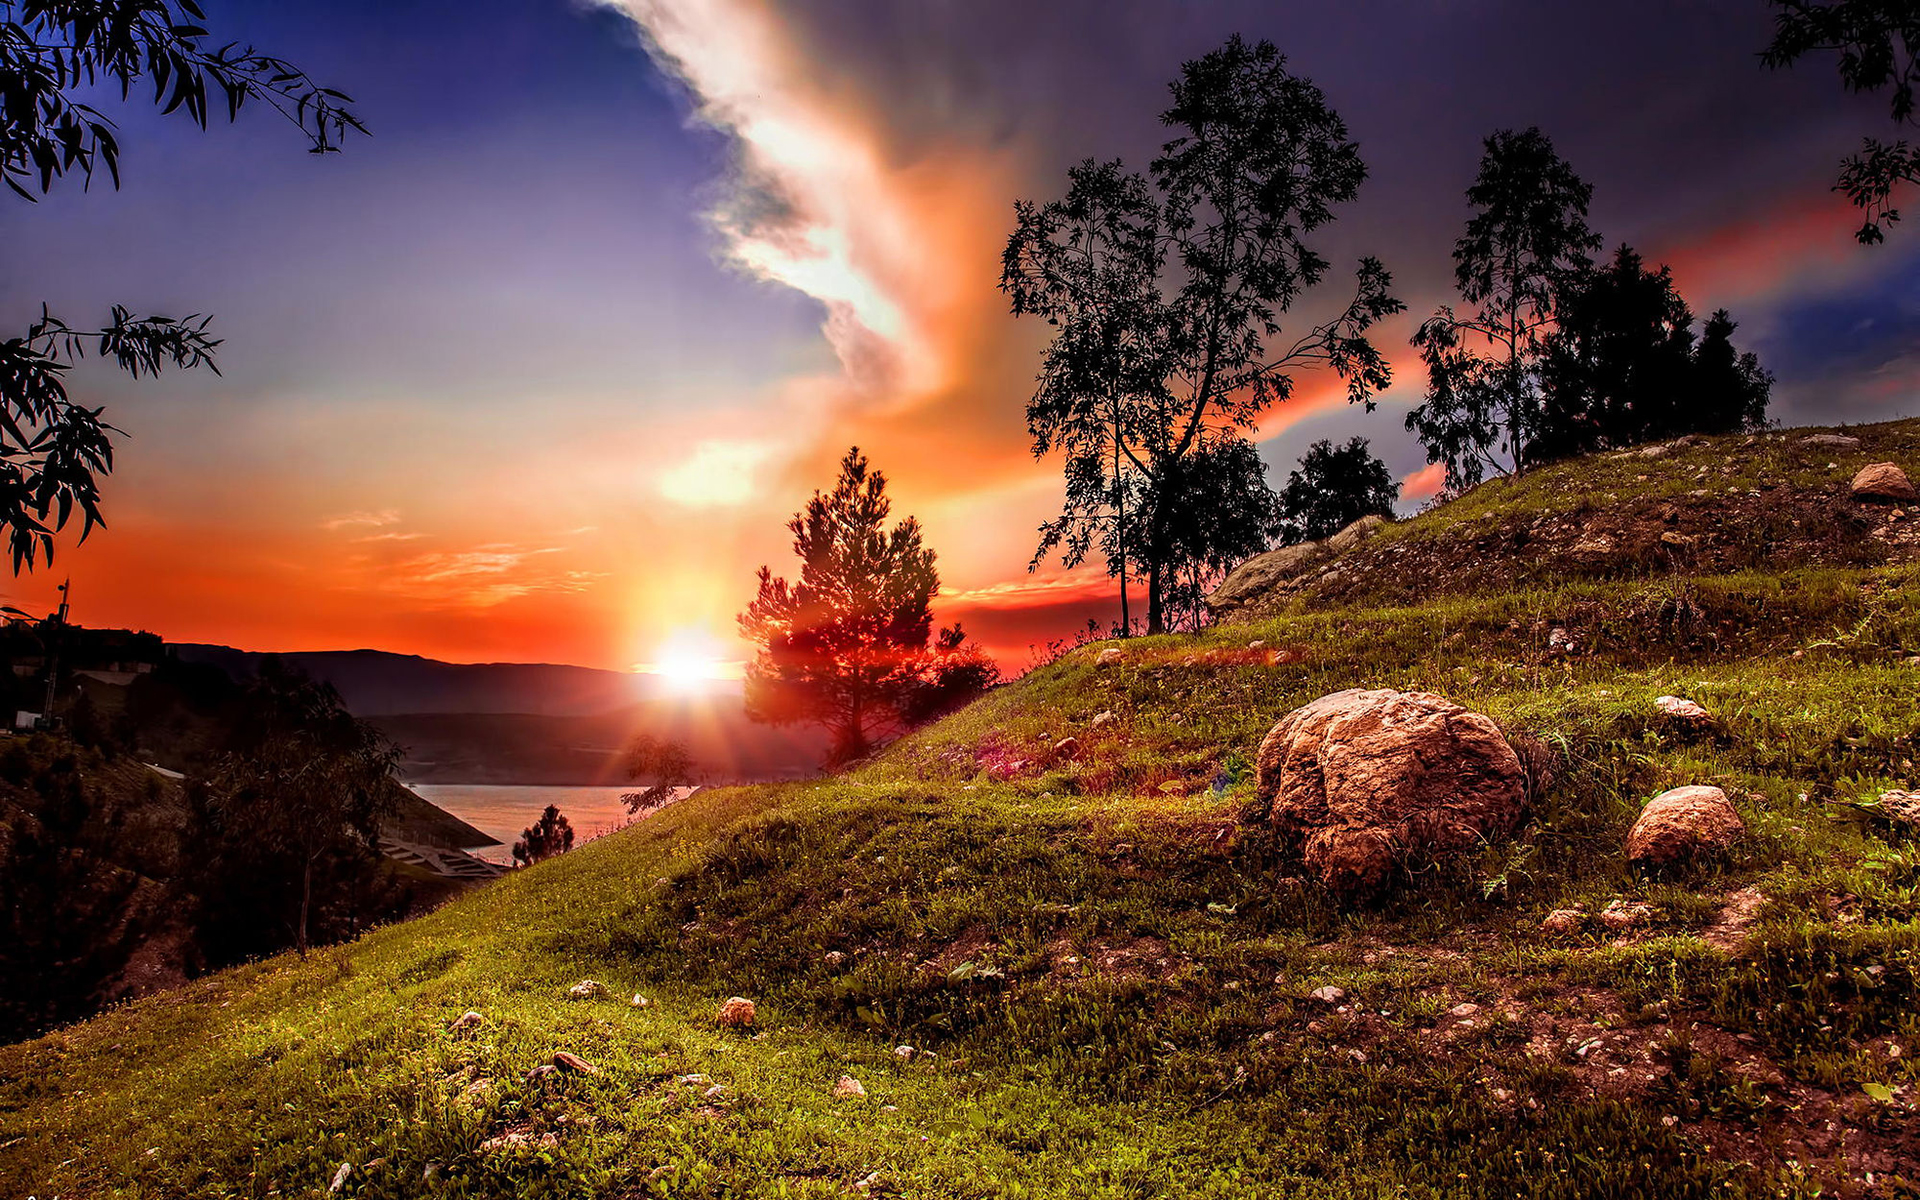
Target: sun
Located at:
point(690, 660)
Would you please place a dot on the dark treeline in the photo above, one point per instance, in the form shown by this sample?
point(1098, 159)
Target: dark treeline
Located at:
point(115, 878)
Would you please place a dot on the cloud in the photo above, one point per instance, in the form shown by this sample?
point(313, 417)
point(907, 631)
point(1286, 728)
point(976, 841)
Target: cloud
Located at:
point(1425, 482)
point(717, 474)
point(361, 520)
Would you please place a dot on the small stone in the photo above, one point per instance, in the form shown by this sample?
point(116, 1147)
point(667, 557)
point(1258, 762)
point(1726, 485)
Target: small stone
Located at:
point(1563, 921)
point(639, 1001)
point(1677, 709)
point(1066, 747)
point(1357, 1055)
point(1463, 1010)
point(1257, 644)
point(736, 1013)
point(574, 1063)
point(848, 1088)
point(1559, 641)
point(1830, 439)
point(903, 1053)
point(715, 1092)
point(1105, 718)
point(1502, 1095)
point(466, 1021)
point(834, 958)
point(586, 989)
point(542, 1072)
point(1621, 915)
point(340, 1177)
point(1328, 994)
point(1109, 656)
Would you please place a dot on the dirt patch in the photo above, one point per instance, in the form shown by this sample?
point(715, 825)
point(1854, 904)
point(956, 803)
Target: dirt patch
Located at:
point(1729, 930)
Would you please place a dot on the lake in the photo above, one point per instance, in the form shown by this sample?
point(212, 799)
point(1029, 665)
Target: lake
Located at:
point(504, 810)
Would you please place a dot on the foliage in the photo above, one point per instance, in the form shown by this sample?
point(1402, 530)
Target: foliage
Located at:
point(1877, 42)
point(551, 835)
point(957, 674)
point(1168, 292)
point(1524, 249)
point(1218, 511)
point(53, 450)
point(290, 812)
point(1622, 367)
point(1334, 487)
point(665, 761)
point(846, 645)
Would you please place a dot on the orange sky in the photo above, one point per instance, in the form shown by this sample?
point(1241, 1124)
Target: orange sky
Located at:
point(591, 530)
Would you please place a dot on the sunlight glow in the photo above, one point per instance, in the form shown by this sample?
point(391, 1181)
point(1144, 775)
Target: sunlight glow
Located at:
point(690, 660)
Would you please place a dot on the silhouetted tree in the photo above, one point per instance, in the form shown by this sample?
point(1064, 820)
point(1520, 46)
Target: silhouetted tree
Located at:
point(292, 808)
point(552, 834)
point(1623, 367)
point(665, 761)
point(55, 57)
point(1618, 369)
point(1224, 512)
point(1334, 487)
point(1526, 245)
point(1877, 42)
point(846, 645)
point(1730, 388)
point(1168, 291)
point(957, 673)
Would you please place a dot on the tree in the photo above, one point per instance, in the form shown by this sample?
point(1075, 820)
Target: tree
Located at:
point(1877, 41)
point(1730, 388)
point(1618, 369)
point(1623, 368)
point(293, 806)
point(1334, 487)
point(52, 449)
point(1526, 245)
point(665, 761)
point(846, 646)
point(551, 835)
point(1218, 510)
point(958, 672)
point(1168, 292)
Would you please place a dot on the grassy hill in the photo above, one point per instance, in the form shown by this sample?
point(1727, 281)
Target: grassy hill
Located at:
point(1106, 982)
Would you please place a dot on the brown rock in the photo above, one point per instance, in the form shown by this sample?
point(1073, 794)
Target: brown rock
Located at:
point(1902, 807)
point(1066, 747)
point(1258, 575)
point(573, 1062)
point(1621, 915)
point(586, 989)
point(469, 1020)
point(1682, 711)
point(1682, 825)
point(1360, 783)
point(736, 1013)
point(1563, 922)
point(1110, 656)
point(848, 1088)
point(1882, 482)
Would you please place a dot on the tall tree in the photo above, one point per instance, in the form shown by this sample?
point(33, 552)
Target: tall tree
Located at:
point(1171, 335)
point(665, 761)
point(1220, 511)
point(1334, 487)
point(846, 646)
point(1524, 248)
point(1618, 369)
point(1877, 42)
point(293, 807)
point(1623, 367)
point(55, 55)
point(1730, 388)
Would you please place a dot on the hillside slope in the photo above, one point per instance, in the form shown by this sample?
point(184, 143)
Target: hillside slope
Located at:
point(1107, 983)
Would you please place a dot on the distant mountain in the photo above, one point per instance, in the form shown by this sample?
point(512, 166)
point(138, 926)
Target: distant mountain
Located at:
point(377, 683)
point(536, 723)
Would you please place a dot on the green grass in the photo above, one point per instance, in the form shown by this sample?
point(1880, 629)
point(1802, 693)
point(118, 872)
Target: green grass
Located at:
point(1113, 977)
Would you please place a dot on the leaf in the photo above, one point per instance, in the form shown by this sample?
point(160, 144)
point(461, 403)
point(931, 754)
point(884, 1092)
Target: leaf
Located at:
point(961, 973)
point(976, 1118)
point(1878, 1091)
point(1224, 910)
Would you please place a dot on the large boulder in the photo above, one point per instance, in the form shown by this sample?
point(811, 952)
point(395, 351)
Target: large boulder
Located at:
point(1359, 784)
point(1258, 575)
point(1682, 825)
point(1884, 483)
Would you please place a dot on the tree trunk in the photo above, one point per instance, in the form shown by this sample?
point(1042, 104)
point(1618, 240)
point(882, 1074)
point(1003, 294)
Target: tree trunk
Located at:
point(1156, 616)
point(1120, 510)
point(306, 902)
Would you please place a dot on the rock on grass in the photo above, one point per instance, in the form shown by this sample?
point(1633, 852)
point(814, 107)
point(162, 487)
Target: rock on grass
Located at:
point(1682, 826)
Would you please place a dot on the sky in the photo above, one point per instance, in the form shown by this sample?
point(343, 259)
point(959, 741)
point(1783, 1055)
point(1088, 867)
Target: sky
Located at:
point(538, 371)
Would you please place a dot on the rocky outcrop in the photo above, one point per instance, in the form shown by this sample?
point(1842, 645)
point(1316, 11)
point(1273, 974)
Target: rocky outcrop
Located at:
point(1360, 784)
point(1684, 825)
point(1882, 483)
point(1262, 573)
